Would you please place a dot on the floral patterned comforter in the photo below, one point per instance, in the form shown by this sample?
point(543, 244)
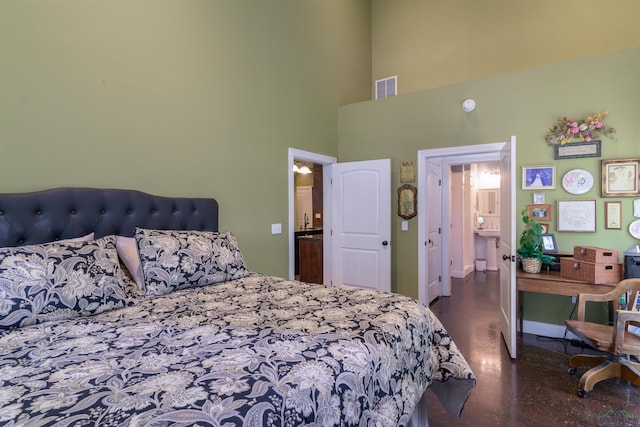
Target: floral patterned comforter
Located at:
point(256, 351)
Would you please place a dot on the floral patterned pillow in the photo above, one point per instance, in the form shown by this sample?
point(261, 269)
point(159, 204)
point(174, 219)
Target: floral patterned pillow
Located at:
point(174, 259)
point(59, 280)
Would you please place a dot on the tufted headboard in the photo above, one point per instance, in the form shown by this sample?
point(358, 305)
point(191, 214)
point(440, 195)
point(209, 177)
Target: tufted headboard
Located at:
point(63, 213)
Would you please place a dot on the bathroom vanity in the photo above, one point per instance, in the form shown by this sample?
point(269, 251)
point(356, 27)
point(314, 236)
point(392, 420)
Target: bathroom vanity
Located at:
point(311, 261)
point(487, 232)
point(314, 231)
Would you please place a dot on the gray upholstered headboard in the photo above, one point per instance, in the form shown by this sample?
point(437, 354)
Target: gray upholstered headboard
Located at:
point(63, 213)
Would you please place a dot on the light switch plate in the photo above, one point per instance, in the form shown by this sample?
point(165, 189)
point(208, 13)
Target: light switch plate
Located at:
point(405, 225)
point(276, 228)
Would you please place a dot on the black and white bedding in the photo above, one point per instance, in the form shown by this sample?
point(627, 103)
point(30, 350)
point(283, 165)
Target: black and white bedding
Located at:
point(200, 340)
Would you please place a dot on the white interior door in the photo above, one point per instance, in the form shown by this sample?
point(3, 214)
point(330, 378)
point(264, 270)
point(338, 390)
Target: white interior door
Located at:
point(361, 224)
point(506, 257)
point(434, 229)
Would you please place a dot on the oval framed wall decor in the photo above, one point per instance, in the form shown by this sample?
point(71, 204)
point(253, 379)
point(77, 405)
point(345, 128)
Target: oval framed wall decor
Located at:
point(407, 201)
point(577, 181)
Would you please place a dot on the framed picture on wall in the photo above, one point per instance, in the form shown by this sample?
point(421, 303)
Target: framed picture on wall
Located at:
point(620, 178)
point(539, 177)
point(539, 212)
point(538, 198)
point(577, 150)
point(613, 215)
point(577, 215)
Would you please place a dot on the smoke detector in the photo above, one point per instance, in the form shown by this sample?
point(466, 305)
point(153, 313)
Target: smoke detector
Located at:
point(469, 105)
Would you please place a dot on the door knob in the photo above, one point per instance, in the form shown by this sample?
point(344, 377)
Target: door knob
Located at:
point(507, 258)
point(385, 243)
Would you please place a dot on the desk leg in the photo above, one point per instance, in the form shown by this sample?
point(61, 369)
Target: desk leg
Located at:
point(520, 298)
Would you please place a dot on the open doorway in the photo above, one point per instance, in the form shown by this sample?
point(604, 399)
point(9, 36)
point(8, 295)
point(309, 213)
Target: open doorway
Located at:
point(474, 217)
point(439, 207)
point(434, 166)
point(309, 224)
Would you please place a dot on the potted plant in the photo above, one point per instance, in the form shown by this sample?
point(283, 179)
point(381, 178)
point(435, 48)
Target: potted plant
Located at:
point(530, 249)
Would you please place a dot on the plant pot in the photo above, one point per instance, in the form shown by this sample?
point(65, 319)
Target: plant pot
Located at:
point(531, 265)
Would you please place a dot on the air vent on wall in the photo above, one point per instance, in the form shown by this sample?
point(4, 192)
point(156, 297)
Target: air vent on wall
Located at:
point(386, 87)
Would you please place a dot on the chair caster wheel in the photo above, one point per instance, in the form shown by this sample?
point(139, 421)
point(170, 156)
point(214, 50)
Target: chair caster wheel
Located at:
point(572, 371)
point(582, 393)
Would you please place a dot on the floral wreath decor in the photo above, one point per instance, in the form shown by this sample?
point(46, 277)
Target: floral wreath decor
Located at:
point(567, 130)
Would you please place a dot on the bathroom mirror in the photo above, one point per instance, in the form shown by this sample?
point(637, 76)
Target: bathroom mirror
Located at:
point(488, 201)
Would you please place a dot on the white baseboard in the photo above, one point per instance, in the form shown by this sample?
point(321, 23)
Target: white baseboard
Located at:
point(546, 330)
point(458, 274)
point(461, 274)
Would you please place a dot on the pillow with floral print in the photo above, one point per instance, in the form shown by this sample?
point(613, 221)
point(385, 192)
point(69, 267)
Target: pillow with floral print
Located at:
point(59, 280)
point(173, 259)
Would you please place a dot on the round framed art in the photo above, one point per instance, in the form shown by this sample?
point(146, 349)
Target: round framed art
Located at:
point(634, 228)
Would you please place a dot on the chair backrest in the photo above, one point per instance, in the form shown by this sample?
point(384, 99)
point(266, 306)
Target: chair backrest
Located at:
point(626, 333)
point(620, 338)
point(630, 288)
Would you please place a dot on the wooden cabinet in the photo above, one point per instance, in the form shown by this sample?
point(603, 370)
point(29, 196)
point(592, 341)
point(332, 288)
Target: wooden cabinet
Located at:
point(303, 233)
point(310, 258)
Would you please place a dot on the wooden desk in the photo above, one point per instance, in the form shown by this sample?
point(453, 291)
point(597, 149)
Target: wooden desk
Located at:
point(550, 282)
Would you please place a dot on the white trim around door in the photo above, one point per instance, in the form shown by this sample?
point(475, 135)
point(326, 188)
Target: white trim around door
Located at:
point(447, 157)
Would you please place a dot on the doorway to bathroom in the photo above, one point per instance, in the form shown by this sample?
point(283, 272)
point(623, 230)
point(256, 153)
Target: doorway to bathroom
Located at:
point(434, 214)
point(474, 217)
point(309, 224)
point(307, 211)
point(348, 238)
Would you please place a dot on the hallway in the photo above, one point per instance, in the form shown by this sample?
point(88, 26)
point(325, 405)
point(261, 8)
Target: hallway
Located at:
point(534, 390)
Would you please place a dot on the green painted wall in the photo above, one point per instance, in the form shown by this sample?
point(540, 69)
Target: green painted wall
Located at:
point(203, 97)
point(431, 43)
point(188, 98)
point(523, 104)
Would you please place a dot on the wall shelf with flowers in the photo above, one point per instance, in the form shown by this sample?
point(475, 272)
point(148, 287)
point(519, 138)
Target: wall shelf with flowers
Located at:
point(577, 138)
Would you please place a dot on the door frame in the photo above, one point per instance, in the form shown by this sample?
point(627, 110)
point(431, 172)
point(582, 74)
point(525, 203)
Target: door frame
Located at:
point(447, 157)
point(308, 156)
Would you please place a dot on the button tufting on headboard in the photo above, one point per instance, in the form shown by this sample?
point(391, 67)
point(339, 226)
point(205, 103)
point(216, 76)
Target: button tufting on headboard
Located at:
point(63, 213)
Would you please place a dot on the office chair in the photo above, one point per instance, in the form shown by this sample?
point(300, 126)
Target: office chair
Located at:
point(617, 340)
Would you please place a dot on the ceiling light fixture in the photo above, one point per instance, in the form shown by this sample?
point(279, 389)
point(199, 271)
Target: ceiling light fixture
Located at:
point(300, 167)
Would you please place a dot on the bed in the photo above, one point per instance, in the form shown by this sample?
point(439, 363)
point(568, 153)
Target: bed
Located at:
point(121, 308)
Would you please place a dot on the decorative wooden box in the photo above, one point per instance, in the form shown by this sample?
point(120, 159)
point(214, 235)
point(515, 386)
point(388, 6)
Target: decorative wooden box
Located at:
point(596, 254)
point(591, 272)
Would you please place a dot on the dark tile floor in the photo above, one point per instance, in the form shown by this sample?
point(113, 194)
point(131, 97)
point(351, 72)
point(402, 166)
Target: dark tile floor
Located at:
point(535, 389)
